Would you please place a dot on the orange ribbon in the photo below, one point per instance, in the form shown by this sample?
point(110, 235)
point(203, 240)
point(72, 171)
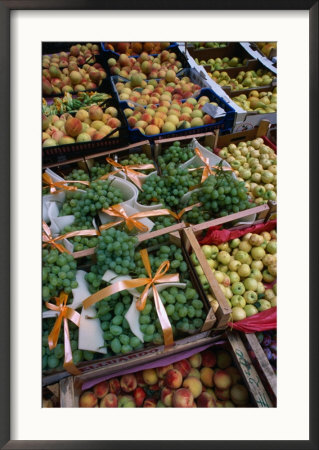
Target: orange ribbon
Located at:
point(129, 171)
point(207, 168)
point(159, 277)
point(65, 313)
point(63, 185)
point(179, 215)
point(49, 240)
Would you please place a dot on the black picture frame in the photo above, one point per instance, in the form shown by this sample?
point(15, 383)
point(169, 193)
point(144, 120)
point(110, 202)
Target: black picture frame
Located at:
point(5, 9)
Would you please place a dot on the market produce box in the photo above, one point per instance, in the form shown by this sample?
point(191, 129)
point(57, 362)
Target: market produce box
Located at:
point(193, 315)
point(91, 140)
point(51, 396)
point(237, 267)
point(166, 60)
point(262, 349)
point(216, 114)
point(134, 49)
point(216, 372)
point(233, 55)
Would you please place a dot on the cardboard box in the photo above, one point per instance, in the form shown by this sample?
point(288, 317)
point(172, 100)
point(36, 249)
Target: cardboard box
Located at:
point(71, 387)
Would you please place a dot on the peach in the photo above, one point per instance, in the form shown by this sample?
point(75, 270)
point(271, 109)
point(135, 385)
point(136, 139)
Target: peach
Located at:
point(95, 112)
point(109, 401)
point(222, 394)
point(207, 376)
point(88, 400)
point(149, 403)
point(195, 360)
point(141, 124)
point(128, 383)
point(140, 379)
point(146, 117)
point(234, 373)
point(73, 126)
point(183, 398)
point(205, 400)
point(114, 386)
point(97, 136)
point(139, 396)
point(173, 379)
point(91, 131)
point(97, 124)
point(150, 376)
point(161, 371)
point(158, 122)
point(224, 359)
point(101, 389)
point(168, 127)
point(183, 367)
point(114, 122)
point(82, 114)
point(207, 119)
point(194, 373)
point(208, 358)
point(211, 392)
point(67, 140)
point(57, 135)
point(132, 121)
point(167, 396)
point(239, 395)
point(194, 385)
point(222, 379)
point(152, 129)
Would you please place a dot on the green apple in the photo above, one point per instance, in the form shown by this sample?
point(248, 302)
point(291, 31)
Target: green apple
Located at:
point(242, 256)
point(272, 247)
point(199, 270)
point(257, 253)
point(250, 310)
point(224, 247)
point(273, 301)
point(204, 281)
point(244, 271)
point(259, 191)
point(263, 305)
point(256, 275)
point(268, 277)
point(233, 265)
point(238, 288)
point(222, 268)
point(228, 293)
point(215, 251)
point(250, 297)
point(250, 284)
point(238, 313)
point(238, 300)
point(194, 259)
point(275, 288)
point(260, 287)
point(267, 176)
point(212, 263)
point(258, 265)
point(234, 243)
point(207, 250)
point(269, 294)
point(219, 276)
point(245, 246)
point(234, 277)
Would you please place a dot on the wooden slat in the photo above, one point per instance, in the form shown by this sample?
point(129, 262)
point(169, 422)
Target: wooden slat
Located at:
point(67, 393)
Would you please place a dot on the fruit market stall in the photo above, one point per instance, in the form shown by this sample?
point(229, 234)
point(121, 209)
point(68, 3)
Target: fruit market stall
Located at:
point(158, 226)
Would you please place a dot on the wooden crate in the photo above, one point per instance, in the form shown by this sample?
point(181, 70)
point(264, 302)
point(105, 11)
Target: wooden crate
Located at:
point(71, 387)
point(242, 136)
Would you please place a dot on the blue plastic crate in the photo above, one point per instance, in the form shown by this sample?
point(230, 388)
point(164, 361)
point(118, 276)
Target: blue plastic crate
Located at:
point(224, 124)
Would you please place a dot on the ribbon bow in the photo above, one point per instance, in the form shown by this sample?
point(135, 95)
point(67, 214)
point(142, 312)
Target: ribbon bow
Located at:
point(63, 185)
point(150, 282)
point(65, 313)
point(207, 168)
point(129, 171)
point(49, 240)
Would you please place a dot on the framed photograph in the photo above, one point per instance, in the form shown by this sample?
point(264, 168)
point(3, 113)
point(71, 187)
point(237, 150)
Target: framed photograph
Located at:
point(26, 28)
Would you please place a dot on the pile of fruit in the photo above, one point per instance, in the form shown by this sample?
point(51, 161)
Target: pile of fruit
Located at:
point(244, 80)
point(136, 48)
point(222, 63)
point(169, 115)
point(151, 66)
point(89, 124)
point(266, 47)
point(268, 341)
point(69, 103)
point(203, 45)
point(152, 91)
point(79, 54)
point(71, 78)
point(246, 270)
point(205, 380)
point(261, 102)
point(256, 164)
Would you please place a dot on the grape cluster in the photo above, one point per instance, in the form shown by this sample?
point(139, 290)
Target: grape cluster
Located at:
point(78, 174)
point(169, 188)
point(100, 194)
point(99, 169)
point(138, 158)
point(81, 242)
point(114, 251)
point(220, 195)
point(58, 273)
point(176, 154)
point(160, 223)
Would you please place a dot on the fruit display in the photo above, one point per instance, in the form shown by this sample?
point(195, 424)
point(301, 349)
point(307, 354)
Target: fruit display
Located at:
point(145, 65)
point(246, 271)
point(268, 341)
point(71, 78)
point(154, 91)
point(244, 80)
point(69, 103)
point(266, 47)
point(136, 48)
point(255, 164)
point(79, 54)
point(261, 102)
point(87, 124)
point(208, 379)
point(169, 115)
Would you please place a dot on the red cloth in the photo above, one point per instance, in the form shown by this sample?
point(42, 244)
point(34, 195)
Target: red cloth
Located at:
point(265, 320)
point(217, 236)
